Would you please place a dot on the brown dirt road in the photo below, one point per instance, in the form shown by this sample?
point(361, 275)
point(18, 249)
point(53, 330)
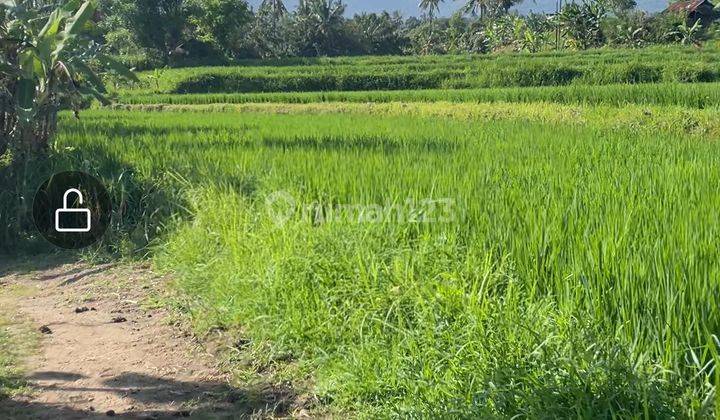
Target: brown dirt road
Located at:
point(107, 351)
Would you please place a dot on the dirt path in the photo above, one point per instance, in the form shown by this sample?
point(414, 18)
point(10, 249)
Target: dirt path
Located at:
point(106, 351)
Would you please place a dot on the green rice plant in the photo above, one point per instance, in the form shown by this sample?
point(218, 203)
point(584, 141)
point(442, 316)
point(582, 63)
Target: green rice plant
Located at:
point(559, 270)
point(691, 95)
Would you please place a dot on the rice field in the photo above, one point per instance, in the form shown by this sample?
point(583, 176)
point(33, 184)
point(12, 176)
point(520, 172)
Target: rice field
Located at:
point(497, 236)
point(688, 95)
point(594, 67)
point(436, 259)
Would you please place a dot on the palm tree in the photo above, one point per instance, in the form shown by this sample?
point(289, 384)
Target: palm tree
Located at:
point(483, 7)
point(276, 7)
point(321, 24)
point(430, 6)
point(475, 6)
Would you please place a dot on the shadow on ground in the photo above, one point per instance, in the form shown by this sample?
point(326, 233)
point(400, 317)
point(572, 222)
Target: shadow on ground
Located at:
point(13, 265)
point(70, 394)
point(206, 400)
point(52, 267)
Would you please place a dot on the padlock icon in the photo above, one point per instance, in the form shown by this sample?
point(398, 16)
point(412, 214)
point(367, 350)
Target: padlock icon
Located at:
point(65, 210)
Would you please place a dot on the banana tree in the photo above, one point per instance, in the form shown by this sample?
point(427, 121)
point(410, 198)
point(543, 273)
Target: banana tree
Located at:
point(581, 24)
point(690, 34)
point(45, 62)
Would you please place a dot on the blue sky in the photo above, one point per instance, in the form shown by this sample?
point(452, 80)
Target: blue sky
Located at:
point(409, 7)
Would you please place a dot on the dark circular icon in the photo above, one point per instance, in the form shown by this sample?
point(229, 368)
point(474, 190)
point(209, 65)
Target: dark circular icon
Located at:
point(72, 210)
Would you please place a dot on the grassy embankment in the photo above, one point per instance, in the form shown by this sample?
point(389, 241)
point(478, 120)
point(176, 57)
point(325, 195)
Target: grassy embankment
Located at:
point(659, 76)
point(596, 67)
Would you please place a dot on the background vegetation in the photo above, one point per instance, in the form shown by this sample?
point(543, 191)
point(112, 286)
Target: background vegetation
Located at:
point(222, 31)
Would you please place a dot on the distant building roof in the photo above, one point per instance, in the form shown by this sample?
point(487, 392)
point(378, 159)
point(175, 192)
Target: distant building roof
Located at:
point(688, 6)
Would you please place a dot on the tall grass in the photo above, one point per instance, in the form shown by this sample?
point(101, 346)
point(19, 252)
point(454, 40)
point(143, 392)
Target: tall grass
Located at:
point(16, 342)
point(575, 274)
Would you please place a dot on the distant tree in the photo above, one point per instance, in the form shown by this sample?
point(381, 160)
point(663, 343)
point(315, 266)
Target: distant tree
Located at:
point(474, 40)
point(688, 34)
point(489, 8)
point(531, 32)
point(120, 38)
point(205, 30)
point(619, 7)
point(275, 8)
point(631, 29)
point(221, 23)
point(320, 27)
point(379, 33)
point(430, 7)
point(429, 37)
point(581, 24)
point(159, 24)
point(270, 33)
point(455, 33)
point(663, 28)
point(411, 23)
point(499, 33)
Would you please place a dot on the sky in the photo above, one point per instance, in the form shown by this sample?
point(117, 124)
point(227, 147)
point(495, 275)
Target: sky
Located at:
point(410, 8)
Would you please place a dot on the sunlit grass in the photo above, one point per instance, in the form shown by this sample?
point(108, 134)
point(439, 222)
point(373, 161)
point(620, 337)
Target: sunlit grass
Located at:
point(577, 275)
point(17, 342)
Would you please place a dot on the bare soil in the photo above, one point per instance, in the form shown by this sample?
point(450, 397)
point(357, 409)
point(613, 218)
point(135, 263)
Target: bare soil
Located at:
point(106, 350)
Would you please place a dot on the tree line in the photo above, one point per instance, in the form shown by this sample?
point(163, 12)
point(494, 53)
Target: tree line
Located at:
point(150, 33)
